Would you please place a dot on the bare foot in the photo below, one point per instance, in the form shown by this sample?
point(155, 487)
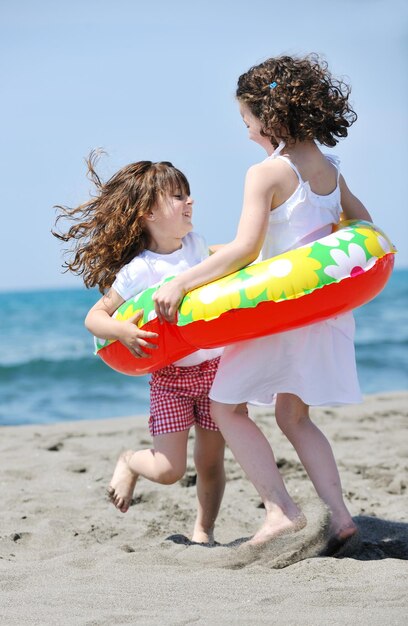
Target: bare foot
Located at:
point(345, 531)
point(201, 536)
point(122, 485)
point(345, 542)
point(281, 525)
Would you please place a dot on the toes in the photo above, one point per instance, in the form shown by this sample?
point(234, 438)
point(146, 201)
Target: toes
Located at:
point(115, 498)
point(123, 505)
point(110, 493)
point(118, 502)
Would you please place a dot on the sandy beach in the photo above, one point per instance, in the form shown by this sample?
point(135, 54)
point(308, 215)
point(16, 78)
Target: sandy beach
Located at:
point(68, 557)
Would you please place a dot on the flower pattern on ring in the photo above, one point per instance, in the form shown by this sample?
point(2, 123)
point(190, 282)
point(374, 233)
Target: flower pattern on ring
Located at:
point(287, 277)
point(351, 264)
point(334, 240)
point(122, 314)
point(212, 300)
point(376, 244)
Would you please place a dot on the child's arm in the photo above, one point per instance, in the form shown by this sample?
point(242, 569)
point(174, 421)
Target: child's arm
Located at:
point(100, 323)
point(215, 246)
point(260, 184)
point(353, 209)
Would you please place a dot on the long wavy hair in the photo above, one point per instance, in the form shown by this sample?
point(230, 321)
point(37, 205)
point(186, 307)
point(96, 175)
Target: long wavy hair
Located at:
point(297, 99)
point(109, 230)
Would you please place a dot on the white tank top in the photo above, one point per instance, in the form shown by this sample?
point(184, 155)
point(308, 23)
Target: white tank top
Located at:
point(304, 217)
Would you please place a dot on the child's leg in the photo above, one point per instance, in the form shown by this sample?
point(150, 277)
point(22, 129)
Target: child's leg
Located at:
point(164, 464)
point(316, 455)
point(253, 452)
point(209, 461)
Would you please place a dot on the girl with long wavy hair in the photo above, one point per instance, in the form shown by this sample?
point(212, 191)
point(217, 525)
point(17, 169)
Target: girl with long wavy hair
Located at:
point(136, 231)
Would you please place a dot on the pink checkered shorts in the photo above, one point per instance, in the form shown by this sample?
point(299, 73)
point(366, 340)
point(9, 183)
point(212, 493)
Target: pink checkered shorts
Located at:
point(179, 398)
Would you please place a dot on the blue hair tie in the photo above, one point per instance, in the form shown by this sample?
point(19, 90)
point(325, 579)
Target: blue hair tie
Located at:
point(273, 85)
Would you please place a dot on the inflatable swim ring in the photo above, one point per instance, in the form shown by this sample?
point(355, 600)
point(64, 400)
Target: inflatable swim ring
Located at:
point(317, 281)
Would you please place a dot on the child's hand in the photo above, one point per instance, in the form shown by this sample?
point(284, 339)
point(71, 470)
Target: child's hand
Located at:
point(134, 338)
point(167, 300)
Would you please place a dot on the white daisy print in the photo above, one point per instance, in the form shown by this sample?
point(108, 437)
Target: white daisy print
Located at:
point(350, 264)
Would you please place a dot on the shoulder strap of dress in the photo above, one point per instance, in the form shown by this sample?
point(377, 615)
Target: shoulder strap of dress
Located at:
point(294, 168)
point(334, 160)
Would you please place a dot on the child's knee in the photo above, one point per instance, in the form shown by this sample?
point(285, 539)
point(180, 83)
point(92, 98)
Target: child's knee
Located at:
point(170, 474)
point(290, 422)
point(209, 452)
point(290, 412)
point(209, 470)
point(169, 477)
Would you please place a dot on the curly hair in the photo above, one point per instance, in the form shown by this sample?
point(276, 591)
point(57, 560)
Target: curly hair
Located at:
point(109, 229)
point(297, 99)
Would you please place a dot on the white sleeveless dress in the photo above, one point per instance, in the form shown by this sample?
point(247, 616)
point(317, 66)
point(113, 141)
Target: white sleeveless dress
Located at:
point(315, 362)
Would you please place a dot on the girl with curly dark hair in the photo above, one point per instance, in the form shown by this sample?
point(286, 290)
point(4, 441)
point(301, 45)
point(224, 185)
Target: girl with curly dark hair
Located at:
point(293, 197)
point(134, 232)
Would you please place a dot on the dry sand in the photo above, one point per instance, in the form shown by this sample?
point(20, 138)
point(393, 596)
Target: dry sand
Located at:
point(68, 557)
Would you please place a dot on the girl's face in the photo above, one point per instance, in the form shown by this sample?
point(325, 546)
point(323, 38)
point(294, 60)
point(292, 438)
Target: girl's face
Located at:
point(254, 127)
point(173, 214)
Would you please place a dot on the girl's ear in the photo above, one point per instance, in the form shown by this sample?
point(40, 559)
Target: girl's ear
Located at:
point(150, 216)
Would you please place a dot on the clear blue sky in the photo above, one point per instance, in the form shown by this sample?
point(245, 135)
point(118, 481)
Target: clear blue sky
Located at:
point(156, 80)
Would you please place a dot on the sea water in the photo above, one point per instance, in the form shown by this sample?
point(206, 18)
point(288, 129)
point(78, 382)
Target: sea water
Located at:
point(48, 371)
